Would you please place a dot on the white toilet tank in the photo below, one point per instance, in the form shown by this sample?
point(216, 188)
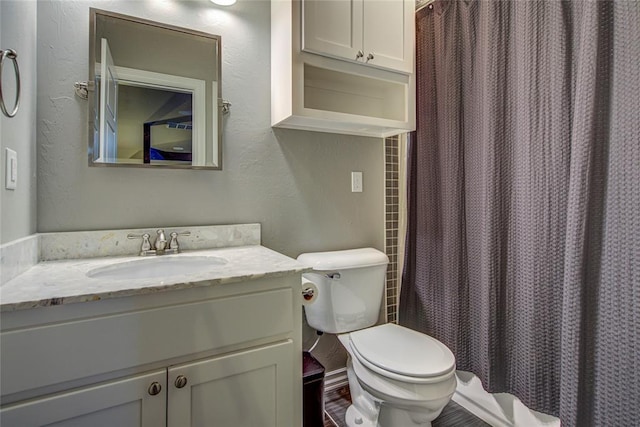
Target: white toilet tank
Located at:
point(350, 286)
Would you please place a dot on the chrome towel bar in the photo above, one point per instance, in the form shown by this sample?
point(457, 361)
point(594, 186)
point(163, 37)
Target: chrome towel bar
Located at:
point(11, 54)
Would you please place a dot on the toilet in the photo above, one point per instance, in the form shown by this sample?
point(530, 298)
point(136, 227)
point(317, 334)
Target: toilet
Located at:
point(397, 377)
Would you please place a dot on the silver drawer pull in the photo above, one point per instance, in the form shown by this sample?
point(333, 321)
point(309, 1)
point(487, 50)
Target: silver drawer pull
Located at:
point(155, 388)
point(181, 381)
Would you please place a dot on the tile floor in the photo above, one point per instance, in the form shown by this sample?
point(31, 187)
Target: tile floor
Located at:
point(453, 415)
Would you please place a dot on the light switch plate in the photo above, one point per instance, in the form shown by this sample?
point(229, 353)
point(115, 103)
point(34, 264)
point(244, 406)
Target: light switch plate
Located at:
point(11, 170)
point(356, 182)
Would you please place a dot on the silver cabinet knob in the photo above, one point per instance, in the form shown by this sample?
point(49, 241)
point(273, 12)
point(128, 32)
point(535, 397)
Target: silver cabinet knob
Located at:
point(155, 388)
point(369, 57)
point(181, 381)
point(359, 55)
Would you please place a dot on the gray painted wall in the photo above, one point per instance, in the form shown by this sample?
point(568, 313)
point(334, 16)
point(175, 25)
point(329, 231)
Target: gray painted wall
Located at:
point(295, 183)
point(18, 207)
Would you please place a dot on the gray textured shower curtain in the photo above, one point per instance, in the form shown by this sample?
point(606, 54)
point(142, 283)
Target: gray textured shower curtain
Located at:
point(523, 249)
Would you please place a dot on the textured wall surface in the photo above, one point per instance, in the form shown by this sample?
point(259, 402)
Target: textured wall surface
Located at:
point(295, 183)
point(18, 207)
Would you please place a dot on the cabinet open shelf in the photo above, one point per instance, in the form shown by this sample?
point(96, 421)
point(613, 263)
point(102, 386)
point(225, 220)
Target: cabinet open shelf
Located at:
point(331, 90)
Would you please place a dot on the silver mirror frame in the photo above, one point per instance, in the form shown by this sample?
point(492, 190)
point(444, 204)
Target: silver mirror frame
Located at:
point(220, 102)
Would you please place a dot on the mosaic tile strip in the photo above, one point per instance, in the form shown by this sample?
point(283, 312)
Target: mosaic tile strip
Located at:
point(391, 226)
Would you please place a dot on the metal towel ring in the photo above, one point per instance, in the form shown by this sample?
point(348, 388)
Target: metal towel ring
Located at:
point(11, 54)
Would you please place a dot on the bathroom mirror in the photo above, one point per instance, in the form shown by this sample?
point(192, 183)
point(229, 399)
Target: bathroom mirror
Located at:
point(155, 94)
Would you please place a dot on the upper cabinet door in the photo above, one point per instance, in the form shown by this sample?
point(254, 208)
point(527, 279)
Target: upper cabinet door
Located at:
point(374, 32)
point(388, 34)
point(333, 28)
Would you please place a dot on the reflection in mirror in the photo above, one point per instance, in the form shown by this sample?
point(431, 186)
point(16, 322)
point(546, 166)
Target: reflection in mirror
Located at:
point(156, 95)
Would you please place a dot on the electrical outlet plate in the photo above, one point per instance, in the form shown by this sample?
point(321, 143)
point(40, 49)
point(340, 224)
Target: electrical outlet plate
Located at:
point(356, 182)
point(11, 169)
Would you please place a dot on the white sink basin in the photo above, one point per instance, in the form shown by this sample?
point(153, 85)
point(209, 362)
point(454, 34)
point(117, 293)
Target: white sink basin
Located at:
point(158, 267)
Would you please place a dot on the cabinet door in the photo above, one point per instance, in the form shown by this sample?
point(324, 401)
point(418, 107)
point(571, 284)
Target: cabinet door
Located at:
point(246, 389)
point(332, 28)
point(122, 403)
point(389, 34)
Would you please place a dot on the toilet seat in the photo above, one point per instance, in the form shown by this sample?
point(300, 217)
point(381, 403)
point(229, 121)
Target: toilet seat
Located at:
point(402, 354)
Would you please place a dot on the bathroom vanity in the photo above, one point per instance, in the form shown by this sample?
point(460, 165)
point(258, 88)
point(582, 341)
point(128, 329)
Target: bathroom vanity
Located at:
point(219, 347)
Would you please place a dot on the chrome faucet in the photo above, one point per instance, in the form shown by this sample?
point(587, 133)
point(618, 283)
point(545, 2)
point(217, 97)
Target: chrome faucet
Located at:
point(161, 242)
point(160, 245)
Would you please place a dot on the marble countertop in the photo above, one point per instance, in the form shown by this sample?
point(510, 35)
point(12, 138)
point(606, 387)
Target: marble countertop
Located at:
point(66, 281)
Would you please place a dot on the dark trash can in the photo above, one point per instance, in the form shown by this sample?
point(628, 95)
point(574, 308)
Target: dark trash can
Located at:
point(313, 391)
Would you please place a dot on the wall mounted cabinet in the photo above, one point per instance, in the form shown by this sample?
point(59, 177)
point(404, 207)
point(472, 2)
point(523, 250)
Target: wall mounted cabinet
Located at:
point(374, 32)
point(319, 81)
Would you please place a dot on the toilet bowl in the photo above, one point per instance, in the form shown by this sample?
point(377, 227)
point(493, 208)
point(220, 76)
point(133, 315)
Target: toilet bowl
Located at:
point(397, 377)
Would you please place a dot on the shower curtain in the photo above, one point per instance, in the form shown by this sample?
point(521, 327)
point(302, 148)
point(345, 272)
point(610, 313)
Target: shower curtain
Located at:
point(523, 245)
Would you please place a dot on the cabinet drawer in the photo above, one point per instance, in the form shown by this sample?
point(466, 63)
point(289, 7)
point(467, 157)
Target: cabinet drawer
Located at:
point(88, 347)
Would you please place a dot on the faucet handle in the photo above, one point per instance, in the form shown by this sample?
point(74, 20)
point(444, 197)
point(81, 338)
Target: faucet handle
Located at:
point(173, 244)
point(146, 244)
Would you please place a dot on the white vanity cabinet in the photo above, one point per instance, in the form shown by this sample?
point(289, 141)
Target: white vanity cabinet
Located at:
point(224, 355)
point(343, 66)
point(374, 32)
point(250, 388)
point(125, 402)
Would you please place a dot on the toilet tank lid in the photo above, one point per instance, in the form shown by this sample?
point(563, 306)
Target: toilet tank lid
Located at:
point(340, 260)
